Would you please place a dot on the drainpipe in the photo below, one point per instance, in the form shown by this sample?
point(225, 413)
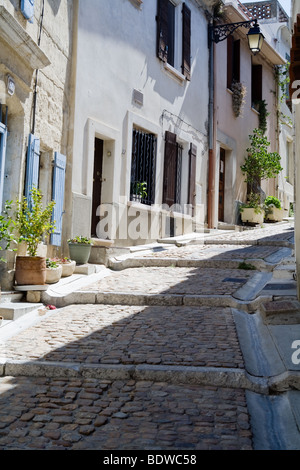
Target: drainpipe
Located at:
point(211, 134)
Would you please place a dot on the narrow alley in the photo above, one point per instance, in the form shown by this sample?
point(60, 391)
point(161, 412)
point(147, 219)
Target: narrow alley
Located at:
point(182, 346)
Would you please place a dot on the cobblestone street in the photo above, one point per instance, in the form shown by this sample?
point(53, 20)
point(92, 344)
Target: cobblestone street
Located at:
point(158, 376)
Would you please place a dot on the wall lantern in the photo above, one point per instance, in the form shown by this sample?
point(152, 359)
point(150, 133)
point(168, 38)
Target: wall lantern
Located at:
point(255, 39)
point(222, 31)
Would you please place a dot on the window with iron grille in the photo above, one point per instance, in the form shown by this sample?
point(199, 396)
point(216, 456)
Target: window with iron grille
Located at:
point(142, 188)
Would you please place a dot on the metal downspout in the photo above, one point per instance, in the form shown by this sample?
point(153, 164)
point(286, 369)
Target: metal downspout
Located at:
point(211, 132)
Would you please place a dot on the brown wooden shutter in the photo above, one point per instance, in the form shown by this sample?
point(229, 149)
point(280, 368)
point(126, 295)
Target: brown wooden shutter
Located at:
point(256, 85)
point(192, 177)
point(170, 163)
point(229, 61)
point(186, 41)
point(236, 61)
point(162, 29)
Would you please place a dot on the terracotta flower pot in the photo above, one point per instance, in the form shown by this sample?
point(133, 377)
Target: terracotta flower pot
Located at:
point(30, 270)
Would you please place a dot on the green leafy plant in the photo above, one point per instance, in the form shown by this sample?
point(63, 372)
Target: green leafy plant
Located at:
point(253, 202)
point(260, 163)
point(261, 107)
point(6, 228)
point(139, 188)
point(272, 201)
point(51, 263)
point(80, 240)
point(246, 266)
point(33, 222)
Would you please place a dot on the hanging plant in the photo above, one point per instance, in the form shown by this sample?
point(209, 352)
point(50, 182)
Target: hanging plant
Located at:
point(263, 114)
point(238, 97)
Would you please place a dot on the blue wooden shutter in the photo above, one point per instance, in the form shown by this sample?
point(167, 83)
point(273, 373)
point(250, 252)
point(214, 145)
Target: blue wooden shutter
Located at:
point(32, 165)
point(3, 138)
point(27, 8)
point(58, 191)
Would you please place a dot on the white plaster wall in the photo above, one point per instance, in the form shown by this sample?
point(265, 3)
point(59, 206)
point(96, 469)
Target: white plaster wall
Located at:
point(237, 130)
point(116, 54)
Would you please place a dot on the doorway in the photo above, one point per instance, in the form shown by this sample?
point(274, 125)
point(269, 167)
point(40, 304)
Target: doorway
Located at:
point(97, 183)
point(221, 184)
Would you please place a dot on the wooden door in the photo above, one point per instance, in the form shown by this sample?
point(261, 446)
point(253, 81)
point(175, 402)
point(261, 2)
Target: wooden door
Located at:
point(221, 184)
point(97, 183)
point(170, 169)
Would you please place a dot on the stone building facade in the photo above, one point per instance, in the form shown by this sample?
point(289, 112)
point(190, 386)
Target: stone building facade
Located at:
point(36, 49)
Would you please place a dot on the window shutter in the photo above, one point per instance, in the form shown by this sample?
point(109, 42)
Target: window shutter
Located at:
point(236, 60)
point(3, 138)
point(186, 41)
point(27, 8)
point(58, 192)
point(229, 61)
point(192, 176)
point(256, 86)
point(170, 165)
point(162, 29)
point(32, 165)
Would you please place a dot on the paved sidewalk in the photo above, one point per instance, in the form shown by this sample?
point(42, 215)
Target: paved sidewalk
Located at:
point(187, 351)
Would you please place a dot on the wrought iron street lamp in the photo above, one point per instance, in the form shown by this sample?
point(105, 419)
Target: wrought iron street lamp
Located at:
point(222, 31)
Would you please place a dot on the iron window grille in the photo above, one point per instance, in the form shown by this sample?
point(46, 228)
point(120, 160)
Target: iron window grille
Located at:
point(142, 188)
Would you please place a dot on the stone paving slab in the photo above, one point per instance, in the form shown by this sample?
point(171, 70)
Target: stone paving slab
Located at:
point(173, 281)
point(217, 252)
point(74, 414)
point(126, 335)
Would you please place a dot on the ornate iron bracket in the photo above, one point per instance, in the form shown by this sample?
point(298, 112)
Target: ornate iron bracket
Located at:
point(222, 31)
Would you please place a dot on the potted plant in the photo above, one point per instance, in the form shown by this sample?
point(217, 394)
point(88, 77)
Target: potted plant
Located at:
point(33, 224)
point(252, 211)
point(53, 271)
point(80, 249)
point(273, 209)
point(138, 190)
point(68, 266)
point(259, 164)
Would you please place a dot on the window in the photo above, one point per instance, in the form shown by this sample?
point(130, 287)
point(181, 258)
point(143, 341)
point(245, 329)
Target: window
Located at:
point(174, 35)
point(142, 187)
point(233, 61)
point(256, 85)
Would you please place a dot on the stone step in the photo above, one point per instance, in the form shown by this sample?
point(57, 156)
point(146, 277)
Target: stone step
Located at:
point(14, 310)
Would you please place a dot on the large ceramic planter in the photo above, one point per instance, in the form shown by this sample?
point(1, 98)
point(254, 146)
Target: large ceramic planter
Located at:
point(53, 274)
point(68, 268)
point(275, 214)
point(30, 270)
point(251, 216)
point(79, 252)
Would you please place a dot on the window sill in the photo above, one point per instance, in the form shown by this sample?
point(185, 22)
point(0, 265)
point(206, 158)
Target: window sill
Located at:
point(174, 73)
point(255, 111)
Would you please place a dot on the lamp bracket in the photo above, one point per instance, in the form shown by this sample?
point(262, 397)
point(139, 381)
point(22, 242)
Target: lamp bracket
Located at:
point(222, 31)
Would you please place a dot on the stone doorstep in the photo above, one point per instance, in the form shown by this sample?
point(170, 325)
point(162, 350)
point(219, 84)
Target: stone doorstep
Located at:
point(14, 310)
